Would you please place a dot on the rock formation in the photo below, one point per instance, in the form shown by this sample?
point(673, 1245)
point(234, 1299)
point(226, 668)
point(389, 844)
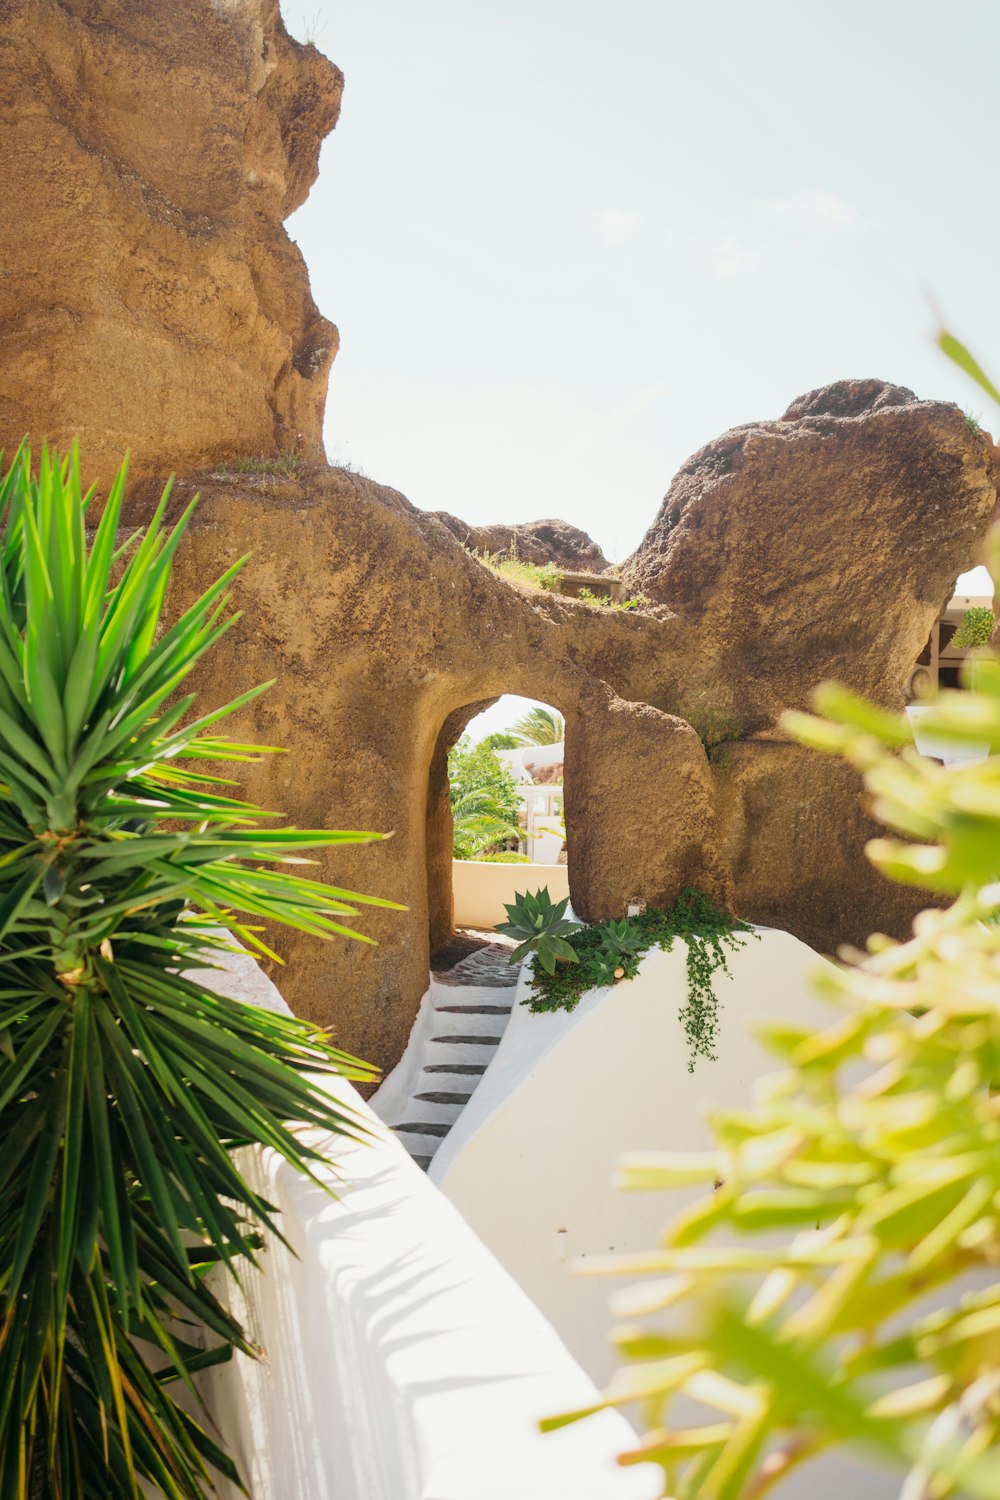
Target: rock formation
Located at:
point(151, 298)
point(532, 541)
point(387, 638)
point(814, 546)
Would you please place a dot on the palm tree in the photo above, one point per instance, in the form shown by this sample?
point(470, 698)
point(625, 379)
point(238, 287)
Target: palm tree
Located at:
point(542, 726)
point(481, 821)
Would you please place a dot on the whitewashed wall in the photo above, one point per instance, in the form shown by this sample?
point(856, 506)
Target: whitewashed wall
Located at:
point(530, 1160)
point(401, 1361)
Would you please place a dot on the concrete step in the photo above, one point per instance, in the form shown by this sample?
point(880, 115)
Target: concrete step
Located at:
point(438, 1098)
point(471, 1070)
point(475, 1010)
point(424, 1127)
point(468, 1041)
point(475, 1018)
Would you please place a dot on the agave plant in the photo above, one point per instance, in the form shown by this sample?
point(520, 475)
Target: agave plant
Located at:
point(622, 939)
point(124, 1083)
point(540, 928)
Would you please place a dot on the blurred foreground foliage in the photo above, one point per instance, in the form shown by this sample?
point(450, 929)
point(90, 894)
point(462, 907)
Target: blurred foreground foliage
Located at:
point(869, 1318)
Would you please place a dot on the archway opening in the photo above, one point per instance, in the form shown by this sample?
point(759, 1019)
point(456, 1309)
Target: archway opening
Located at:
point(495, 817)
point(968, 616)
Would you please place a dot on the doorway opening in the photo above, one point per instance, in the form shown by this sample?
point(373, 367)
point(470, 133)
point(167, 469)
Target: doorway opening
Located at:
point(495, 818)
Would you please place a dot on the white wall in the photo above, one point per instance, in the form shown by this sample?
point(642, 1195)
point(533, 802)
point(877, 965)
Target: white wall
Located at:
point(536, 755)
point(530, 1160)
point(482, 888)
point(401, 1362)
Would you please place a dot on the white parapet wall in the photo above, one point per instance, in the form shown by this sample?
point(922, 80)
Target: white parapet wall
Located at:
point(401, 1362)
point(483, 888)
point(530, 1160)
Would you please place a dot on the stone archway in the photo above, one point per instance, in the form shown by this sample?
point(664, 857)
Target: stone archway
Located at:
point(439, 825)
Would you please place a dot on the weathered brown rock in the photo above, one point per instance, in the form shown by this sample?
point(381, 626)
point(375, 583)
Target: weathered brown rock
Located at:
point(820, 545)
point(532, 541)
point(150, 297)
point(640, 808)
point(386, 637)
point(793, 825)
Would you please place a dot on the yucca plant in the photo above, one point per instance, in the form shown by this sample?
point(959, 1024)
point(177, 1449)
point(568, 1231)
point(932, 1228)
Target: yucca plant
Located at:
point(125, 1084)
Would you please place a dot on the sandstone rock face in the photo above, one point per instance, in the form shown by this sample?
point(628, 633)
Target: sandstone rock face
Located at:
point(533, 542)
point(793, 825)
point(632, 830)
point(387, 637)
point(150, 297)
point(817, 546)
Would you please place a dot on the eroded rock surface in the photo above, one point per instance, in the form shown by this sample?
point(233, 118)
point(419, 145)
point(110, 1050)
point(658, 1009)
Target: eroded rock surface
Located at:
point(387, 637)
point(151, 299)
point(532, 541)
point(150, 296)
point(820, 545)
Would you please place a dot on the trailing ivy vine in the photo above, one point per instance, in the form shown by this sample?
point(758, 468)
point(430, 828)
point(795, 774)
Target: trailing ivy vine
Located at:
point(611, 951)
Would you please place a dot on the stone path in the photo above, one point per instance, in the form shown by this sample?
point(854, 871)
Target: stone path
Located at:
point(487, 963)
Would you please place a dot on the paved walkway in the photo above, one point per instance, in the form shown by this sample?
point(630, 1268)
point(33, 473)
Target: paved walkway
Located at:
point(484, 960)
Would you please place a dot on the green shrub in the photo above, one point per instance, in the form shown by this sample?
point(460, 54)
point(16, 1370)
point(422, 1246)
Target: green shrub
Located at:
point(637, 601)
point(505, 857)
point(125, 1084)
point(484, 800)
point(603, 950)
point(975, 628)
point(544, 576)
point(715, 727)
point(539, 927)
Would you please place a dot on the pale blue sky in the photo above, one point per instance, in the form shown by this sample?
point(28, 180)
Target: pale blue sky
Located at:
point(568, 243)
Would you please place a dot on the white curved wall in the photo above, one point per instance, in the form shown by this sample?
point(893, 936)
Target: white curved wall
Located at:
point(530, 1160)
point(401, 1361)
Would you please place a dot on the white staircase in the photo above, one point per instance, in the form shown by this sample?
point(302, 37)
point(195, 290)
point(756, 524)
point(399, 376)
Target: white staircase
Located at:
point(453, 1041)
